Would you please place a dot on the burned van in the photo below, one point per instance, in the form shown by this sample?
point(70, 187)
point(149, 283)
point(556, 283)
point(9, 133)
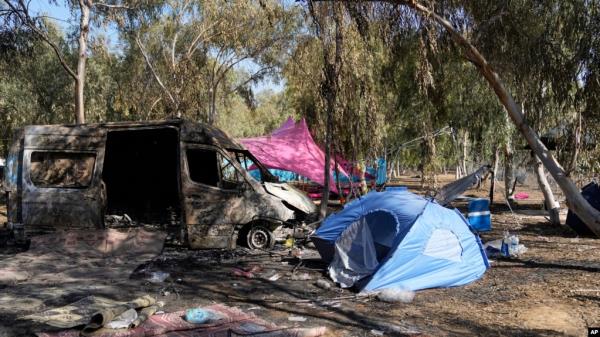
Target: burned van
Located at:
point(174, 172)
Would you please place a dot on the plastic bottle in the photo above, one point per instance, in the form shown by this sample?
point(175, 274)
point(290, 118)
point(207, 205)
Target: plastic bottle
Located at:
point(513, 248)
point(504, 248)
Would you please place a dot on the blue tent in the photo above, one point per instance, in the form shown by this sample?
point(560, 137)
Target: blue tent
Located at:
point(398, 239)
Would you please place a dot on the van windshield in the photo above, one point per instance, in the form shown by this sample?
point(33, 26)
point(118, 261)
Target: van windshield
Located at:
point(254, 168)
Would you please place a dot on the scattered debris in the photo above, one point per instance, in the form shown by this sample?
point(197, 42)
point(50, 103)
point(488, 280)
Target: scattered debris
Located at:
point(254, 308)
point(323, 284)
point(297, 318)
point(274, 278)
point(301, 277)
point(376, 332)
point(233, 321)
point(158, 276)
point(124, 320)
point(507, 247)
point(521, 196)
point(93, 312)
point(493, 248)
point(511, 247)
point(201, 316)
point(396, 294)
point(241, 273)
point(116, 221)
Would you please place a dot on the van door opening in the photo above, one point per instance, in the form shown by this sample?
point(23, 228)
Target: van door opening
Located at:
point(141, 174)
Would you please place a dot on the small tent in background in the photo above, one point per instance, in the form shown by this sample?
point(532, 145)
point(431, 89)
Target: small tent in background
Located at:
point(292, 148)
point(398, 239)
point(591, 193)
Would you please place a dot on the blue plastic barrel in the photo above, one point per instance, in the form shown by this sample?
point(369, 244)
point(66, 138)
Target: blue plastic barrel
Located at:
point(479, 214)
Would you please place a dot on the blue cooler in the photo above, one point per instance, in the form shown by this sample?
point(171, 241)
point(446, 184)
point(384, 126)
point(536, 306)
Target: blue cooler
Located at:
point(479, 214)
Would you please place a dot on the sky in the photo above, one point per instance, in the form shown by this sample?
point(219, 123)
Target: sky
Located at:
point(61, 15)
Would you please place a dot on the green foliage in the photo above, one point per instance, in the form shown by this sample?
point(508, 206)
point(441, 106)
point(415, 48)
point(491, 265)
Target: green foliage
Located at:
point(401, 78)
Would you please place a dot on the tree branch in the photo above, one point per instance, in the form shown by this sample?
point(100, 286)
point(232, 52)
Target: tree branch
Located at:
point(156, 77)
point(26, 19)
point(193, 46)
point(252, 78)
point(100, 4)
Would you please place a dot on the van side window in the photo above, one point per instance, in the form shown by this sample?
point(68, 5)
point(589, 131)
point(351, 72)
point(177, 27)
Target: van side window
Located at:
point(202, 164)
point(62, 169)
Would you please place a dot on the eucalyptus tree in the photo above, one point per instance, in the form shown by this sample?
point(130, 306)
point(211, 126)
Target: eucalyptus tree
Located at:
point(18, 14)
point(191, 48)
point(577, 203)
point(33, 86)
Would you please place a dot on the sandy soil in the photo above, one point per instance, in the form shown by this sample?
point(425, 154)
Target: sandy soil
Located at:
point(552, 290)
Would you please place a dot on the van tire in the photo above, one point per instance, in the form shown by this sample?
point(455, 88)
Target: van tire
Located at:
point(259, 237)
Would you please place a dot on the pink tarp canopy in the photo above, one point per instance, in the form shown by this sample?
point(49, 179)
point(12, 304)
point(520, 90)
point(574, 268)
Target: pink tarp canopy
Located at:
point(292, 148)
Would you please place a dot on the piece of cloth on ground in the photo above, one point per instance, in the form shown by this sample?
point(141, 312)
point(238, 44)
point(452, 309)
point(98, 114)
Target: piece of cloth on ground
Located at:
point(62, 267)
point(91, 309)
point(82, 254)
point(234, 321)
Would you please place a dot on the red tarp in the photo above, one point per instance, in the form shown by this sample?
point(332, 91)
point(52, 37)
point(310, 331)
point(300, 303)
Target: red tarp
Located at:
point(292, 148)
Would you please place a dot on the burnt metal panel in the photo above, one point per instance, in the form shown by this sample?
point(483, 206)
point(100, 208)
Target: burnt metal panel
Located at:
point(212, 214)
point(61, 206)
point(208, 135)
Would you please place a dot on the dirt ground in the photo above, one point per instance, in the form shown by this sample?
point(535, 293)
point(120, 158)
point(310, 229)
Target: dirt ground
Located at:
point(551, 290)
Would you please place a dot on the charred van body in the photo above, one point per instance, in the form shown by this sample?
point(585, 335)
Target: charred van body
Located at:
point(176, 171)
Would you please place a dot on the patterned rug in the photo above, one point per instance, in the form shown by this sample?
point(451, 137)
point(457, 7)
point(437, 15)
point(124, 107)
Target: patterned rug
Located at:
point(234, 323)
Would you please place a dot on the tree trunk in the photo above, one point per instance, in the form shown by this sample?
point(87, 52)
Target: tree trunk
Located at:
point(552, 205)
point(338, 185)
point(509, 171)
point(84, 30)
point(428, 162)
point(212, 112)
point(327, 169)
point(576, 146)
point(588, 214)
point(495, 161)
point(329, 92)
point(465, 151)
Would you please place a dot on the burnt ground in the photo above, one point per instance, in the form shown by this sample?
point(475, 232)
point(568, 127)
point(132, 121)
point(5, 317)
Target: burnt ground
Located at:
point(553, 289)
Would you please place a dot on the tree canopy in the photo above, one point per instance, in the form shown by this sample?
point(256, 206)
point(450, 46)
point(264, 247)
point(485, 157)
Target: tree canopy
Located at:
point(403, 88)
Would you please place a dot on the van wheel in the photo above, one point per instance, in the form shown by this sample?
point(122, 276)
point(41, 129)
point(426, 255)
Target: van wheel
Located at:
point(259, 237)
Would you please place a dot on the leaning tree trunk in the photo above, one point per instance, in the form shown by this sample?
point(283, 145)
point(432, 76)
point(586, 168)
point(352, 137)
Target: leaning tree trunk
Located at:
point(84, 29)
point(552, 206)
point(588, 214)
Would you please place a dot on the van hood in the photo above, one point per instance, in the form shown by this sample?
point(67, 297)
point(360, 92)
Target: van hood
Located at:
point(292, 196)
